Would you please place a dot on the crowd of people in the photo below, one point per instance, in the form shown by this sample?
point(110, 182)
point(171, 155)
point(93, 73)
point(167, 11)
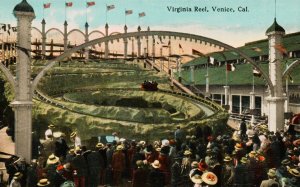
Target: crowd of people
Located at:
point(252, 157)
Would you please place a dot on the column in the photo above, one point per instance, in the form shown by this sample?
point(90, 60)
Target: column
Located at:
point(178, 61)
point(65, 36)
point(86, 50)
point(153, 52)
point(226, 88)
point(147, 42)
point(161, 60)
point(22, 104)
point(192, 68)
point(125, 43)
point(252, 106)
point(275, 101)
point(139, 43)
point(43, 39)
point(106, 49)
point(207, 92)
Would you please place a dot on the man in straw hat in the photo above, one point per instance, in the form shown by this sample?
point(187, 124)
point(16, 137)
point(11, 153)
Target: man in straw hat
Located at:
point(76, 139)
point(52, 163)
point(271, 182)
point(228, 172)
point(16, 180)
point(44, 182)
point(118, 164)
point(176, 172)
point(95, 164)
point(156, 178)
point(139, 175)
point(80, 168)
point(49, 131)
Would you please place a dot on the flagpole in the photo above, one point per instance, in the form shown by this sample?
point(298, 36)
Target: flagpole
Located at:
point(86, 7)
point(43, 9)
point(226, 83)
point(125, 16)
point(65, 11)
point(106, 13)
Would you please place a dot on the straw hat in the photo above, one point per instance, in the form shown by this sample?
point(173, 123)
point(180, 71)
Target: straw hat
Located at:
point(165, 142)
point(100, 145)
point(52, 159)
point(285, 162)
point(209, 178)
point(71, 151)
point(244, 160)
point(294, 172)
point(73, 134)
point(156, 164)
point(139, 163)
point(252, 154)
point(43, 182)
point(227, 159)
point(187, 152)
point(238, 146)
point(196, 179)
point(51, 126)
point(77, 150)
point(17, 176)
point(119, 148)
point(272, 172)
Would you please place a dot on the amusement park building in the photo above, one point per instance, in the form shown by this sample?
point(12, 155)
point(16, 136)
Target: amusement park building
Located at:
point(242, 81)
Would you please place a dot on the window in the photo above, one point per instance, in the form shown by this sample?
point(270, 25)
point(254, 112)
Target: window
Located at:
point(245, 104)
point(235, 104)
point(257, 106)
point(217, 98)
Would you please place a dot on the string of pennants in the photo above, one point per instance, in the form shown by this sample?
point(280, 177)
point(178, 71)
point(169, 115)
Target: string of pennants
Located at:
point(7, 28)
point(93, 3)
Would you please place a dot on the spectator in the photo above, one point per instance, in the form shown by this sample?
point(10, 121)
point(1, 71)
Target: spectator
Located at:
point(271, 182)
point(156, 178)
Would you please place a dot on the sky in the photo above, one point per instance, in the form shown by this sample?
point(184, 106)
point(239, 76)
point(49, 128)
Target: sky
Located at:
point(234, 28)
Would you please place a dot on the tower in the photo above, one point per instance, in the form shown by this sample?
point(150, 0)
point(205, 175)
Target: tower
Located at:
point(22, 104)
point(275, 102)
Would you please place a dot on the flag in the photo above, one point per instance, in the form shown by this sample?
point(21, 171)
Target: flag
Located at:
point(281, 49)
point(69, 4)
point(256, 49)
point(230, 67)
point(142, 14)
point(110, 7)
point(128, 12)
point(256, 73)
point(211, 60)
point(47, 5)
point(198, 53)
point(91, 3)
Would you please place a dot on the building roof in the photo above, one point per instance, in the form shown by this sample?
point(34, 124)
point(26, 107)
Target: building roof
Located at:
point(275, 27)
point(291, 42)
point(23, 7)
point(242, 75)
